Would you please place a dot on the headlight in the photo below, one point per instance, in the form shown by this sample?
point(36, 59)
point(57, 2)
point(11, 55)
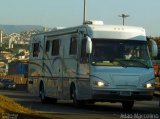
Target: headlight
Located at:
point(149, 85)
point(14, 85)
point(100, 84)
point(96, 82)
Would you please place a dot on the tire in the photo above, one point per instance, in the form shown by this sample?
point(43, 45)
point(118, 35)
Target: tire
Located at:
point(45, 99)
point(53, 100)
point(74, 97)
point(127, 105)
point(42, 94)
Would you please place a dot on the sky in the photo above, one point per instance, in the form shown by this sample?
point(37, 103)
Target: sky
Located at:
point(68, 13)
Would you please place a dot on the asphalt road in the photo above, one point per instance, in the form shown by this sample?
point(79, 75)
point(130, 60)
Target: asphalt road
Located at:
point(143, 109)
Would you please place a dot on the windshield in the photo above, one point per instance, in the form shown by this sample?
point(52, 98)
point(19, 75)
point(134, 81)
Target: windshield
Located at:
point(126, 53)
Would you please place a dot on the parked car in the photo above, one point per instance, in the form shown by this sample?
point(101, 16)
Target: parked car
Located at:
point(1, 79)
point(8, 84)
point(1, 84)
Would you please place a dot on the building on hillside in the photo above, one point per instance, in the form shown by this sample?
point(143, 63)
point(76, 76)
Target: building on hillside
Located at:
point(3, 68)
point(17, 68)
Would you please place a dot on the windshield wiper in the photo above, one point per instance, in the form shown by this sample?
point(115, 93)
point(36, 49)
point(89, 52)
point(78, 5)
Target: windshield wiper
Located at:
point(120, 62)
point(145, 65)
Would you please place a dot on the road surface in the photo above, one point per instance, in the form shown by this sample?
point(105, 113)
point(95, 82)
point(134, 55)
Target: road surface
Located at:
point(143, 109)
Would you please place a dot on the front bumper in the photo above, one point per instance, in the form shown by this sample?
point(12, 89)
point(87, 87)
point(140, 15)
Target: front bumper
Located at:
point(105, 95)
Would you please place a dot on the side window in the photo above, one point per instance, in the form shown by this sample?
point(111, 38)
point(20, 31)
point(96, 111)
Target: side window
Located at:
point(73, 46)
point(47, 46)
point(55, 48)
point(35, 49)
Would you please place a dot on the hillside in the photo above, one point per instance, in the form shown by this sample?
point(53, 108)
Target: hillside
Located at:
point(19, 28)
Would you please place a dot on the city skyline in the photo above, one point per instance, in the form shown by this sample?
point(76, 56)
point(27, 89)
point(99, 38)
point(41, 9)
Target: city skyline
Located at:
point(62, 13)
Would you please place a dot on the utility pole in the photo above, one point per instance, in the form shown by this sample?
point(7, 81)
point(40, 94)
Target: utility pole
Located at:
point(84, 14)
point(1, 38)
point(123, 17)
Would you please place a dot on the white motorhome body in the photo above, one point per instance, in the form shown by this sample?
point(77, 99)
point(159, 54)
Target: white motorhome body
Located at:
point(61, 67)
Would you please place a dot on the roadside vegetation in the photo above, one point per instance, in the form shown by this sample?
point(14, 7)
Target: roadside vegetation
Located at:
point(10, 108)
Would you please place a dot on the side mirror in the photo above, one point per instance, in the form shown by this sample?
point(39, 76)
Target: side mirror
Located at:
point(88, 45)
point(154, 48)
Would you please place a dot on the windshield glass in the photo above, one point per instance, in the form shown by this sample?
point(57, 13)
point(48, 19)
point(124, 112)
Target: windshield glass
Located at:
point(126, 53)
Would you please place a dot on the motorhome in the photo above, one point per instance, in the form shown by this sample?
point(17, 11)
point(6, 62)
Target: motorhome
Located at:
point(89, 64)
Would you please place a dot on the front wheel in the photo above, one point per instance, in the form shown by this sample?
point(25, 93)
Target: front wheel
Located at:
point(127, 105)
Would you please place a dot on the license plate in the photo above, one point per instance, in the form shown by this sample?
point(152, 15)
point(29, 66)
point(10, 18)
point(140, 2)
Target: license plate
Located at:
point(125, 93)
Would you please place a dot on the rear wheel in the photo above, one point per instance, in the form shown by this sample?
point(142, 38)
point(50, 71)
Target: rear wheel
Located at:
point(53, 100)
point(76, 102)
point(42, 94)
point(127, 105)
point(45, 99)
